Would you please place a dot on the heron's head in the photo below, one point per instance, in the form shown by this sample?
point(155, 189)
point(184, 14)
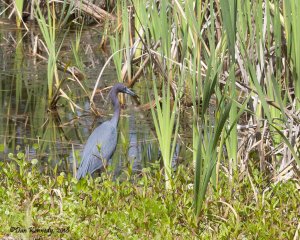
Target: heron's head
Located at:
point(120, 87)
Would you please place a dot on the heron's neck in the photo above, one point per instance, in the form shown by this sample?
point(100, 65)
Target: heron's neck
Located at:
point(116, 104)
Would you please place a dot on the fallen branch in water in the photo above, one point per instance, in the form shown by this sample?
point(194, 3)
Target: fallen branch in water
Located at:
point(92, 9)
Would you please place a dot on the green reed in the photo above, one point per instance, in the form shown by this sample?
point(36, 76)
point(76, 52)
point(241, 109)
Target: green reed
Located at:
point(19, 11)
point(115, 45)
point(76, 47)
point(291, 14)
point(229, 12)
point(166, 121)
point(48, 29)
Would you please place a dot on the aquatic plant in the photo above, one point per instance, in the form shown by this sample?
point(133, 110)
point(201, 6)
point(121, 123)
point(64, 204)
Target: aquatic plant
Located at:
point(38, 205)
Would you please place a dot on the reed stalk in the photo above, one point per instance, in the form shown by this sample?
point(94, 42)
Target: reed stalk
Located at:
point(19, 11)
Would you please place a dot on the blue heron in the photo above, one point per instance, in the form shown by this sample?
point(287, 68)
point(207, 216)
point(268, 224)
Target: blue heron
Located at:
point(102, 142)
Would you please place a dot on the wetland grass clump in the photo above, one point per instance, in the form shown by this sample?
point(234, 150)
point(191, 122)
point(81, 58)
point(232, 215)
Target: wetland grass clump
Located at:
point(50, 25)
point(49, 32)
point(165, 115)
point(234, 56)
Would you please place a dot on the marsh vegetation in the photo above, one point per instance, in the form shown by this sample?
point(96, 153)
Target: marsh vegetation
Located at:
point(210, 149)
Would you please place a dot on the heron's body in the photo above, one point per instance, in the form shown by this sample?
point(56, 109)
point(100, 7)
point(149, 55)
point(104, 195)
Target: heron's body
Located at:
point(102, 143)
point(100, 147)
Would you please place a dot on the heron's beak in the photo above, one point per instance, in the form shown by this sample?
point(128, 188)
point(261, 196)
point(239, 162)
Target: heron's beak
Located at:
point(131, 93)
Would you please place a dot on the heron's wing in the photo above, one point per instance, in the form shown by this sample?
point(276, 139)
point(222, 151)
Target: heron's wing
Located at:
point(99, 147)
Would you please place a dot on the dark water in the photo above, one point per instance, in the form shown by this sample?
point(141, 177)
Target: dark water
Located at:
point(57, 137)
